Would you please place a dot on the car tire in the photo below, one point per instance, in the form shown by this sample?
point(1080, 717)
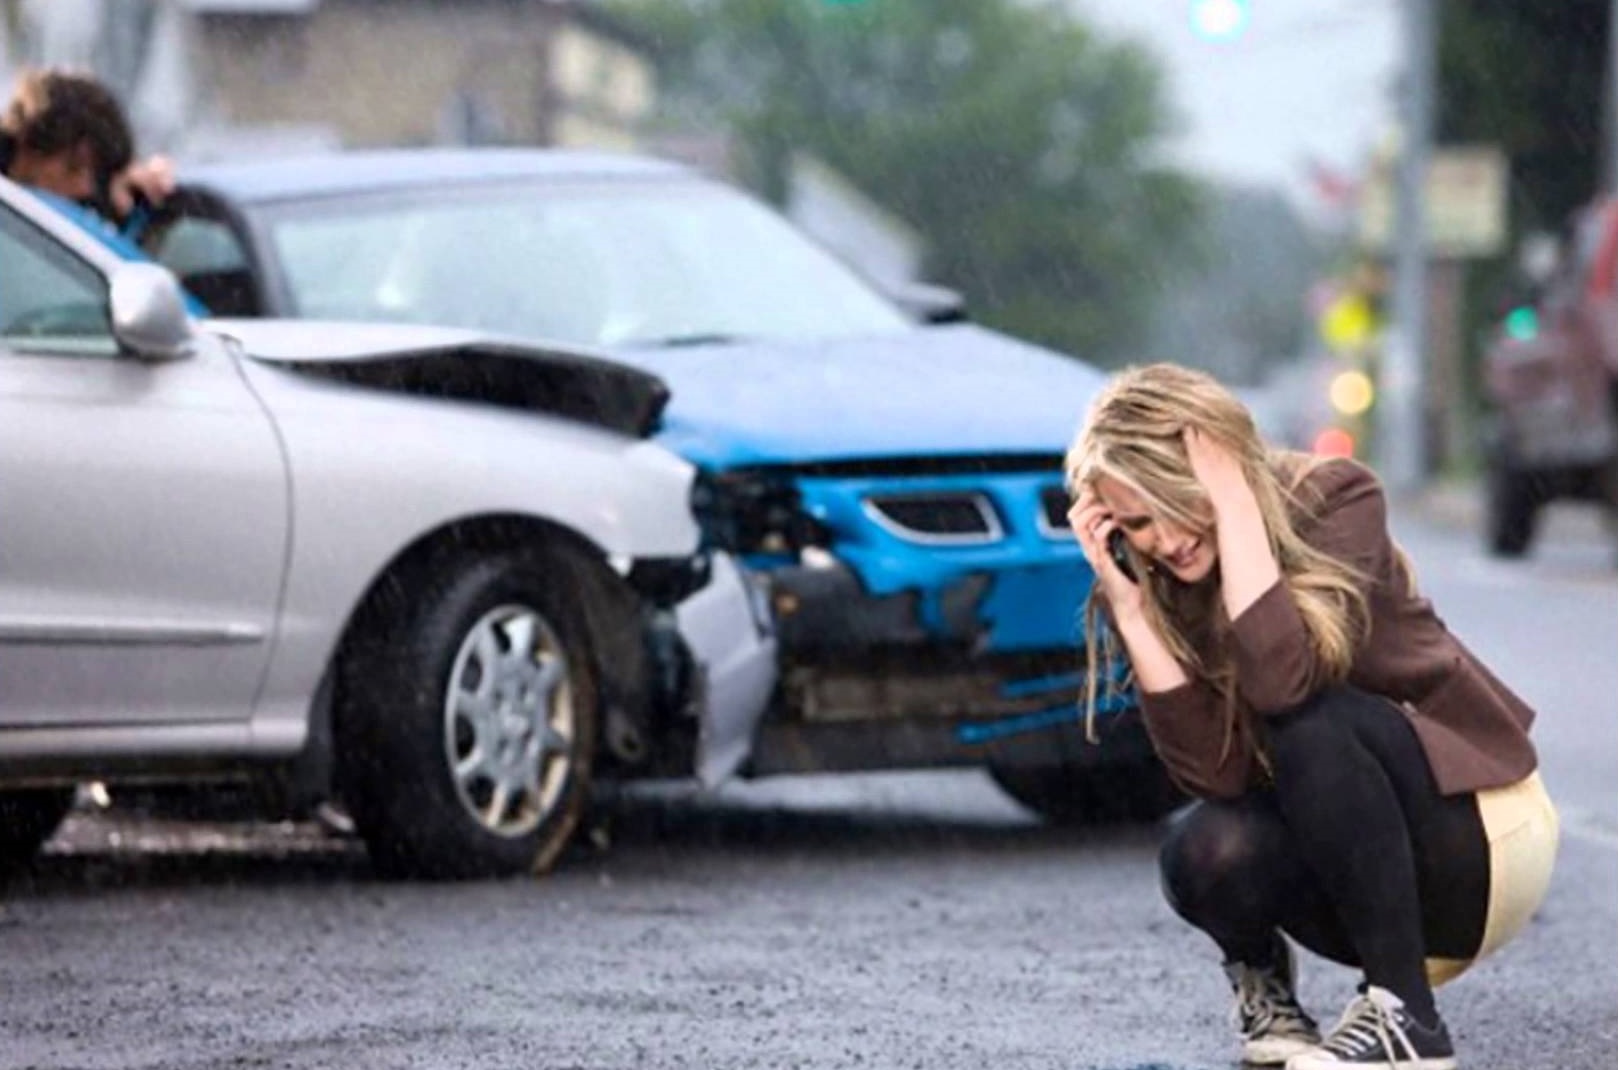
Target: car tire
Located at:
point(1077, 795)
point(1511, 507)
point(467, 717)
point(28, 818)
point(1610, 502)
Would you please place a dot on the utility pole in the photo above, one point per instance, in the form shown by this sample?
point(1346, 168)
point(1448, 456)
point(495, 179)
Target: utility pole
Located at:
point(1401, 437)
point(1609, 111)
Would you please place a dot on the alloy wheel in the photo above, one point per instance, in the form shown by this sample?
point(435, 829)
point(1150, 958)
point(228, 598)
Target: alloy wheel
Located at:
point(509, 721)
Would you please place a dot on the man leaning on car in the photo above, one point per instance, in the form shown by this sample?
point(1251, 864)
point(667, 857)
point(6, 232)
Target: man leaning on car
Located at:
point(65, 135)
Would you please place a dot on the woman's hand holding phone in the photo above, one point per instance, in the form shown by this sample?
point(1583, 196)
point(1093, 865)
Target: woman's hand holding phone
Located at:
point(1095, 529)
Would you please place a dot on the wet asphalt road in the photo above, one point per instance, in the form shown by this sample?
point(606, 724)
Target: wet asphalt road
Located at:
point(902, 921)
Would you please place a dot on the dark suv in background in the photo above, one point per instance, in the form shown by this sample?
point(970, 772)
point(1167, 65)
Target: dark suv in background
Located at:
point(1551, 375)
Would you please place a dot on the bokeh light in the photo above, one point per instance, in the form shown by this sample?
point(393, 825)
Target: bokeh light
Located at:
point(1351, 392)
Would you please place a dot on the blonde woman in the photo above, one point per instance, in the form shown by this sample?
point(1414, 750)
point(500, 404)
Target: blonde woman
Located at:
point(1365, 786)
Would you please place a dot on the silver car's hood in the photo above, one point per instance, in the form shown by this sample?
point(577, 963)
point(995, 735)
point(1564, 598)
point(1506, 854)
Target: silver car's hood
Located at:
point(459, 365)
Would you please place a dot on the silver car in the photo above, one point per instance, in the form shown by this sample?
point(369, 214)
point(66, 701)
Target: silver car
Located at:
point(451, 566)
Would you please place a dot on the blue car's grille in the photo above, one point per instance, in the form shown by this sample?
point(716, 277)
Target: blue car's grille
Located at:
point(950, 517)
point(1053, 506)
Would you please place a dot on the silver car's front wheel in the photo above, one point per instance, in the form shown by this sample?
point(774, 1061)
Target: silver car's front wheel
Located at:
point(467, 714)
point(509, 720)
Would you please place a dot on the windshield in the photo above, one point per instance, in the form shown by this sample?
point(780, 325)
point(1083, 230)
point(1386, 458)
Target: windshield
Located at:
point(625, 264)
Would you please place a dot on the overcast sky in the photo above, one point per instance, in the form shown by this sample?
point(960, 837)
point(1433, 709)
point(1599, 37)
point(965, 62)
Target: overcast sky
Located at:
point(1307, 79)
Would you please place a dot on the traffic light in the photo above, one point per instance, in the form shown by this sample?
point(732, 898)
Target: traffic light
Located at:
point(1348, 323)
point(1220, 20)
point(1522, 323)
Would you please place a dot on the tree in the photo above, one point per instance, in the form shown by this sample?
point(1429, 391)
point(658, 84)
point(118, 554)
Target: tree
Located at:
point(1023, 146)
point(1530, 78)
point(1243, 309)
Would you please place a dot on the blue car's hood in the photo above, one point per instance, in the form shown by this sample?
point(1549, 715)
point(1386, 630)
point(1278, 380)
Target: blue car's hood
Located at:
point(931, 391)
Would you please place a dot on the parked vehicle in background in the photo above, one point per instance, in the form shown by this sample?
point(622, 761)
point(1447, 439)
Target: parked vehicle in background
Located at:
point(1551, 376)
point(889, 474)
point(245, 551)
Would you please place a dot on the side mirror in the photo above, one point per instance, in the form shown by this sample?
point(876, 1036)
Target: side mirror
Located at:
point(926, 303)
point(148, 313)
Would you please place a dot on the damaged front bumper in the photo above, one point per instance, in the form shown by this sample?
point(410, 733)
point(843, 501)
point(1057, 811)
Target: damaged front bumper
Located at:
point(918, 679)
point(926, 612)
point(729, 637)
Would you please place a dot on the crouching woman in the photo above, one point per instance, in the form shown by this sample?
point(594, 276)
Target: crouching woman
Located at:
point(1366, 787)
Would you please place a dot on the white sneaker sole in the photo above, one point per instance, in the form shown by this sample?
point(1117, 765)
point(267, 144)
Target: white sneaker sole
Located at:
point(1275, 1051)
point(1319, 1060)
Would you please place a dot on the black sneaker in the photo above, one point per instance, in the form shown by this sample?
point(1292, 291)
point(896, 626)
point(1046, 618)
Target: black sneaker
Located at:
point(1272, 1025)
point(1377, 1031)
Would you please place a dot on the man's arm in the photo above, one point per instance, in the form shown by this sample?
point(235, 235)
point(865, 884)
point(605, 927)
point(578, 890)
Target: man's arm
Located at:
point(133, 192)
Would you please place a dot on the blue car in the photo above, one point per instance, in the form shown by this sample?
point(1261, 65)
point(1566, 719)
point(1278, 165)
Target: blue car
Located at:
point(889, 472)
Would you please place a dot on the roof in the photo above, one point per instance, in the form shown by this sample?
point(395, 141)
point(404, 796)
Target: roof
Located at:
point(335, 173)
point(250, 7)
point(588, 12)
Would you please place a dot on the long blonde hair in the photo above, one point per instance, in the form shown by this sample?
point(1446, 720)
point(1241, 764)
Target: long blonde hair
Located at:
point(1134, 434)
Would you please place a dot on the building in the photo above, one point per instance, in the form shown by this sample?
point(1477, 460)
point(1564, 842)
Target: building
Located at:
point(217, 77)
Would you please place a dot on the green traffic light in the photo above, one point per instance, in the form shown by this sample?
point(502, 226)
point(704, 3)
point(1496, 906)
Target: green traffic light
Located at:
point(1522, 323)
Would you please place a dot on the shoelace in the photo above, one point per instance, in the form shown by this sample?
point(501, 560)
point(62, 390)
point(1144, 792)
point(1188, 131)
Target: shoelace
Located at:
point(1264, 1001)
point(1368, 1025)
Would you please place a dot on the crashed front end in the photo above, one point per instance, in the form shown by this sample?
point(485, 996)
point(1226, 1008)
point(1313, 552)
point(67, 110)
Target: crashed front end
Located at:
point(927, 611)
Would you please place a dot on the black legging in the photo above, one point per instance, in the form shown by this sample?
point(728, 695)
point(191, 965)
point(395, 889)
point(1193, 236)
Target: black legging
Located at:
point(1354, 852)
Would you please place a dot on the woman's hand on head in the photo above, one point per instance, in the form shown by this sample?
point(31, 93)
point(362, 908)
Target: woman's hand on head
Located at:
point(1092, 522)
point(1217, 468)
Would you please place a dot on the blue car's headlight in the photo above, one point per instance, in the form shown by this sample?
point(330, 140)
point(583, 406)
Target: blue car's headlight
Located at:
point(747, 511)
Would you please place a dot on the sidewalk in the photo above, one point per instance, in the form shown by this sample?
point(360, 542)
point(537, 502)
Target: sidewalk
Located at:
point(1456, 504)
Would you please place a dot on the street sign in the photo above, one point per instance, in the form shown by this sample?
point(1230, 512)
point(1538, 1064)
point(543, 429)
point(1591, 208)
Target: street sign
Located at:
point(1465, 204)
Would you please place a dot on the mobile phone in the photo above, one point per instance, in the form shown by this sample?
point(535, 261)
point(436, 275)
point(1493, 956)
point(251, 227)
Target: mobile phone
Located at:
point(1118, 548)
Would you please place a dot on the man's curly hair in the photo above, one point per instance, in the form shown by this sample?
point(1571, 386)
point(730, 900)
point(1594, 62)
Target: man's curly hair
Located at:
point(56, 110)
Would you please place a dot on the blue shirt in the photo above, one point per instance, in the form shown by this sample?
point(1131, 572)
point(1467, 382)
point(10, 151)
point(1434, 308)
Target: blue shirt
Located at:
point(121, 240)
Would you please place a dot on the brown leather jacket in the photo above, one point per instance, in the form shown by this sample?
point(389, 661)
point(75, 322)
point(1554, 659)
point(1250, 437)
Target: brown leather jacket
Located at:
point(1473, 729)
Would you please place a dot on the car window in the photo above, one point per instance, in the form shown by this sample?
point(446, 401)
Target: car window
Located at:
point(623, 264)
point(50, 302)
point(195, 244)
point(208, 258)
